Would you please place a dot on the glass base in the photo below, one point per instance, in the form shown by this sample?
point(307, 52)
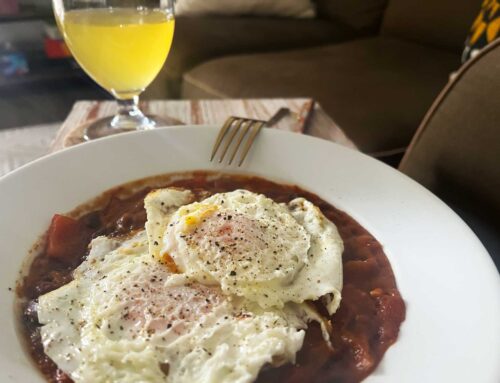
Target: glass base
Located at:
point(108, 126)
point(128, 119)
point(104, 126)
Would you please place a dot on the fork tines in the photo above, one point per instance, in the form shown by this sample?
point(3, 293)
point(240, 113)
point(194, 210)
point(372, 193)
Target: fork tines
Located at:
point(229, 137)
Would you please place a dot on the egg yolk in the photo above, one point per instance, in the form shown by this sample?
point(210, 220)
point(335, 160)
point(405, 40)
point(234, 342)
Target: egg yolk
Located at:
point(193, 215)
point(168, 261)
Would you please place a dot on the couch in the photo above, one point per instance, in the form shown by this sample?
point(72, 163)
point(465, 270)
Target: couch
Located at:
point(456, 150)
point(374, 65)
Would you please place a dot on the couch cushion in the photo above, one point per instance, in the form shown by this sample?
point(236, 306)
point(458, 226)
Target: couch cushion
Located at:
point(376, 89)
point(458, 145)
point(455, 152)
point(280, 8)
point(443, 23)
point(198, 39)
point(359, 14)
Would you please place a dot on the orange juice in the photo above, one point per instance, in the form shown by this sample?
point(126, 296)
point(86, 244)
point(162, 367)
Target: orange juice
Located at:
point(122, 49)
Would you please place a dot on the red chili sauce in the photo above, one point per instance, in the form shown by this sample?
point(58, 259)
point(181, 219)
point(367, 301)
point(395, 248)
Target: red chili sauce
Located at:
point(365, 325)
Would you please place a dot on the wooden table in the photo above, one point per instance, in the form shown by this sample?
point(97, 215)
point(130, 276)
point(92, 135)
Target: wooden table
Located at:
point(21, 145)
point(207, 112)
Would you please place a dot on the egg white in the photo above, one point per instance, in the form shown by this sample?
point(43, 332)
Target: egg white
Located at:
point(160, 204)
point(254, 248)
point(86, 333)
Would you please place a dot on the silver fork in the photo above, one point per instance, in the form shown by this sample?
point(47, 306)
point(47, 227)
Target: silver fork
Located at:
point(230, 130)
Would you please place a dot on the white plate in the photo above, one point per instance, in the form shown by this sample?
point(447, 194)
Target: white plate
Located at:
point(449, 283)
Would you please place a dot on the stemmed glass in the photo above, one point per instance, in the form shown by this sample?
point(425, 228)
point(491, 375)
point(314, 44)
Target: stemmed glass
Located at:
point(122, 45)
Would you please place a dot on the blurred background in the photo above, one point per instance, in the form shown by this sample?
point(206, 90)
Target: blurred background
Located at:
point(39, 82)
point(374, 66)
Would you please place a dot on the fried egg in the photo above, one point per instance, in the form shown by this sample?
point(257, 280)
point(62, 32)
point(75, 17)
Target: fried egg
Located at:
point(119, 321)
point(210, 291)
point(252, 247)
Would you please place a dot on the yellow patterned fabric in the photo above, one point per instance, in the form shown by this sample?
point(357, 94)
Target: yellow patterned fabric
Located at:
point(485, 29)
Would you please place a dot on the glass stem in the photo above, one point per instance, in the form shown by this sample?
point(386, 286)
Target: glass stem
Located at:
point(129, 107)
point(130, 116)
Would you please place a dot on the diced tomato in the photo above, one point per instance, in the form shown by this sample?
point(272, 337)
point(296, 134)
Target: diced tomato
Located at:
point(359, 345)
point(391, 312)
point(67, 238)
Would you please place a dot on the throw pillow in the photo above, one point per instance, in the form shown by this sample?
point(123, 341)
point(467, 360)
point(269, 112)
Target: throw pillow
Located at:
point(282, 8)
point(485, 29)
